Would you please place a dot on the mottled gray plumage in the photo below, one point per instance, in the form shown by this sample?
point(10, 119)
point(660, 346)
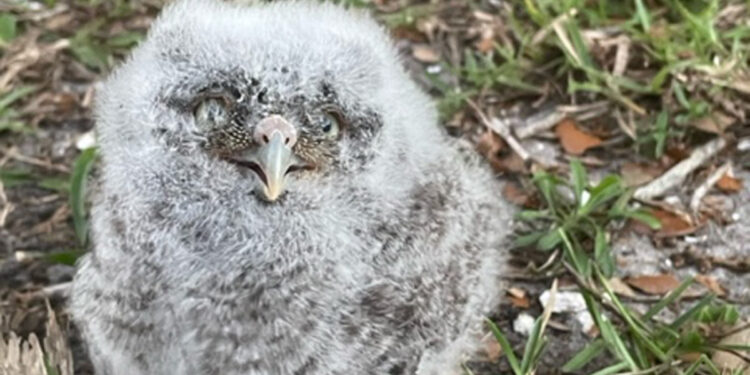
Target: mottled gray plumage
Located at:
point(377, 251)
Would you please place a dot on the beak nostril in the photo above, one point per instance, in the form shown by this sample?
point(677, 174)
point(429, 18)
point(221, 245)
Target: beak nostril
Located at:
point(269, 126)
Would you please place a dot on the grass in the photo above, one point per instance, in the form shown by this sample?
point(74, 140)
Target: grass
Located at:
point(78, 178)
point(574, 220)
point(683, 62)
point(680, 59)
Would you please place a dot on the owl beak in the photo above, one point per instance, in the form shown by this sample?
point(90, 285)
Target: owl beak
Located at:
point(274, 159)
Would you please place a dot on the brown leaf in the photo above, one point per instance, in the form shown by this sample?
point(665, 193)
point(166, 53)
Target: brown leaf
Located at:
point(620, 287)
point(408, 33)
point(573, 140)
point(491, 350)
point(518, 298)
point(654, 284)
point(728, 361)
point(636, 174)
point(425, 54)
point(715, 123)
point(516, 195)
point(486, 42)
point(712, 284)
point(729, 184)
point(672, 225)
point(489, 143)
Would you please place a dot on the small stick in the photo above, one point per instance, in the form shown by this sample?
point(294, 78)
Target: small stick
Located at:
point(542, 121)
point(7, 206)
point(702, 190)
point(539, 123)
point(13, 154)
point(676, 175)
point(503, 130)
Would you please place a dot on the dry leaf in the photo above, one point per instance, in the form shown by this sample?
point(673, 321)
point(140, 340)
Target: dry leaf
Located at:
point(516, 195)
point(573, 140)
point(654, 284)
point(621, 288)
point(729, 361)
point(491, 349)
point(635, 174)
point(489, 143)
point(729, 184)
point(712, 284)
point(715, 123)
point(518, 298)
point(672, 225)
point(517, 292)
point(486, 42)
point(690, 356)
point(425, 54)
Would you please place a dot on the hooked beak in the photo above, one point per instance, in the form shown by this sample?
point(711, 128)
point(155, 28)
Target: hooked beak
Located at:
point(274, 159)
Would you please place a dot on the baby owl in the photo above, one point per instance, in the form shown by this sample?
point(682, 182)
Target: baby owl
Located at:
point(276, 197)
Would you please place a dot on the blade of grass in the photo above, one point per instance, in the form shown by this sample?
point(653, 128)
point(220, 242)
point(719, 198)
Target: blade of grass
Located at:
point(579, 179)
point(81, 169)
point(505, 346)
point(671, 297)
point(583, 357)
point(643, 16)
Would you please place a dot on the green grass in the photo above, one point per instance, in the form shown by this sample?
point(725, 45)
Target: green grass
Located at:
point(678, 59)
point(10, 118)
point(574, 221)
point(78, 179)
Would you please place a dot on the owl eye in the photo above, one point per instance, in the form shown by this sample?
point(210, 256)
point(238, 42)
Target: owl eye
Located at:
point(211, 113)
point(331, 125)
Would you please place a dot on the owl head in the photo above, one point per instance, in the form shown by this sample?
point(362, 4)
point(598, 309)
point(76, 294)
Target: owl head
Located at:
point(281, 99)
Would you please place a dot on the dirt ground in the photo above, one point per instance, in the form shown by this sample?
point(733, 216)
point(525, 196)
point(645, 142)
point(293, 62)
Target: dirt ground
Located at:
point(38, 242)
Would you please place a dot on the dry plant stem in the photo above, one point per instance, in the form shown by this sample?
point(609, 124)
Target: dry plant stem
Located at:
point(702, 190)
point(539, 123)
point(542, 34)
point(55, 345)
point(585, 286)
point(733, 331)
point(550, 305)
point(546, 120)
point(13, 154)
point(7, 207)
point(28, 57)
point(622, 56)
point(656, 369)
point(627, 127)
point(676, 175)
point(62, 289)
point(503, 130)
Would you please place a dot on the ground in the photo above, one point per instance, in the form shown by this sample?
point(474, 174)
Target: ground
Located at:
point(652, 92)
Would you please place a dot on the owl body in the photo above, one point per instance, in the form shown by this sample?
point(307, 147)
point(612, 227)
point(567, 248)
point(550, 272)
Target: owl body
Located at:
point(381, 256)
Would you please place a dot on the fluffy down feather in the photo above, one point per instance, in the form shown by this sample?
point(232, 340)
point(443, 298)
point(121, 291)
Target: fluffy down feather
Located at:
point(383, 261)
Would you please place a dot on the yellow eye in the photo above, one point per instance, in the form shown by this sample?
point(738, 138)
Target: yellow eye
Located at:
point(210, 113)
point(331, 125)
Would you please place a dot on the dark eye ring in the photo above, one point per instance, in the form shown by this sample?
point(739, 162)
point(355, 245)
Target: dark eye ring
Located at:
point(211, 112)
point(332, 123)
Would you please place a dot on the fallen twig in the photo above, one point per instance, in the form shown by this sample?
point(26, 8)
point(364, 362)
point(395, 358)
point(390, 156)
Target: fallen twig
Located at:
point(545, 120)
point(7, 207)
point(12, 153)
point(538, 123)
point(702, 190)
point(503, 130)
point(676, 175)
